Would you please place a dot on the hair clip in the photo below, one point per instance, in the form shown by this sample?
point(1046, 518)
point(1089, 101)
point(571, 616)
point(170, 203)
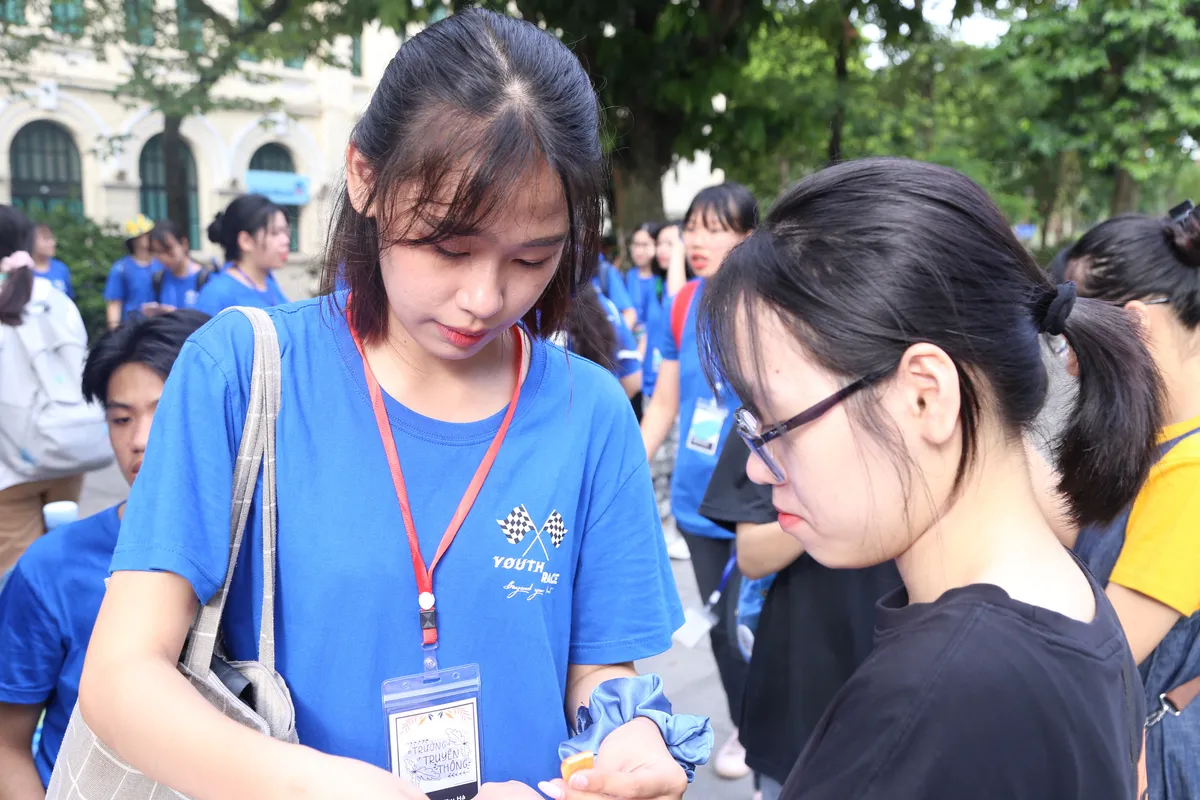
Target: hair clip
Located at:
point(1181, 212)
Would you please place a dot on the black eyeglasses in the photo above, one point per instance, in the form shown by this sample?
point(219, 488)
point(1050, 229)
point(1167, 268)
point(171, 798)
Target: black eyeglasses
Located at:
point(751, 430)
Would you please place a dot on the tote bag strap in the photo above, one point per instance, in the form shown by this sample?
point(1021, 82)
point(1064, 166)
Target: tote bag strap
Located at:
point(256, 451)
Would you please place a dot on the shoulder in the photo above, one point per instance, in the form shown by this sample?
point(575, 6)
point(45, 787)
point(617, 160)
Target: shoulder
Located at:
point(119, 264)
point(44, 562)
point(229, 336)
point(582, 389)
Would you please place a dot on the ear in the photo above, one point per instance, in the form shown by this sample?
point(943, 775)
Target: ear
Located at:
point(246, 243)
point(1140, 313)
point(927, 387)
point(358, 179)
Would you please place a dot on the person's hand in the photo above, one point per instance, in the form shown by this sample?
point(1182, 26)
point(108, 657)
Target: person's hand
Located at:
point(513, 790)
point(633, 763)
point(150, 309)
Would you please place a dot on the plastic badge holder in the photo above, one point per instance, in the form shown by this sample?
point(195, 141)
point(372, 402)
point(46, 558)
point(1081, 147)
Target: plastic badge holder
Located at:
point(433, 731)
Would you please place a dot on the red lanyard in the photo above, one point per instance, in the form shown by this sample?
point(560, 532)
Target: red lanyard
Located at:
point(424, 575)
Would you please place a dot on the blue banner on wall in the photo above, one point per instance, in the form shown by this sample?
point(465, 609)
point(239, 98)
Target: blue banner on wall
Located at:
point(281, 188)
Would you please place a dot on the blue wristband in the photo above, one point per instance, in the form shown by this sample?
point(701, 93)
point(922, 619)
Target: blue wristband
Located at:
point(689, 738)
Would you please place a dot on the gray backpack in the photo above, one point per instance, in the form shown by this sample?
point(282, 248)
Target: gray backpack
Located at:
point(47, 429)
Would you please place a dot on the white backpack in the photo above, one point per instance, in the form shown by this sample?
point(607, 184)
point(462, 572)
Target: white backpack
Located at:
point(47, 429)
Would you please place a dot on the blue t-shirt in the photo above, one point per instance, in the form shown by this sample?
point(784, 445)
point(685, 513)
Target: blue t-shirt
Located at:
point(222, 291)
point(48, 606)
point(560, 560)
point(615, 285)
point(132, 284)
point(649, 306)
point(179, 292)
point(704, 422)
point(627, 359)
point(59, 274)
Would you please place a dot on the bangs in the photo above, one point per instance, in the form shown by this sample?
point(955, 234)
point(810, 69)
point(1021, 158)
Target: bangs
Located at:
point(459, 180)
point(720, 208)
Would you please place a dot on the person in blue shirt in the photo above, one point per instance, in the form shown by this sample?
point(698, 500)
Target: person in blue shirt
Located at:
point(646, 283)
point(45, 265)
point(49, 601)
point(556, 580)
point(256, 237)
point(611, 284)
point(130, 281)
point(719, 218)
point(596, 331)
point(179, 283)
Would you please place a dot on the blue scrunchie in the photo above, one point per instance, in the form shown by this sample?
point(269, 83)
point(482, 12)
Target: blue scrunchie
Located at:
point(689, 738)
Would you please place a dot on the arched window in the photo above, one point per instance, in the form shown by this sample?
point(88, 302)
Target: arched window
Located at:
point(44, 164)
point(153, 174)
point(273, 157)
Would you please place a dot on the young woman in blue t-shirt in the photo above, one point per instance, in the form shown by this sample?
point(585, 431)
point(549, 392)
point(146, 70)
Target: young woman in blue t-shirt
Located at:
point(720, 217)
point(255, 236)
point(461, 252)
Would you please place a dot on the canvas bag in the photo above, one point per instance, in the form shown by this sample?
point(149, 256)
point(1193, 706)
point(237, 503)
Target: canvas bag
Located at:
point(47, 429)
point(88, 770)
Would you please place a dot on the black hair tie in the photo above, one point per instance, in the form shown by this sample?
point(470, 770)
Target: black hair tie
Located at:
point(1052, 310)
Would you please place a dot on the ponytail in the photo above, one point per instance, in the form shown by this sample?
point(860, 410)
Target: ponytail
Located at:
point(1110, 441)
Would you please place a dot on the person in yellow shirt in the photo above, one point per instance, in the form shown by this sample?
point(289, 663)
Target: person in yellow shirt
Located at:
point(1150, 555)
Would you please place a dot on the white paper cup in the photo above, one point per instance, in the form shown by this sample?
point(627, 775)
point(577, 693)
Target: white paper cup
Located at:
point(59, 513)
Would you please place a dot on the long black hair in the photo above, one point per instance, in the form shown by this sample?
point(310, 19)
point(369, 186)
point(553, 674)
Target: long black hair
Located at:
point(589, 332)
point(464, 111)
point(1135, 257)
point(249, 213)
point(16, 234)
point(867, 258)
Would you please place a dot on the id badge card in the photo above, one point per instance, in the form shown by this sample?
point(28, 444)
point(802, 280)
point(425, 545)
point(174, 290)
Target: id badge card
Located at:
point(704, 435)
point(697, 622)
point(433, 731)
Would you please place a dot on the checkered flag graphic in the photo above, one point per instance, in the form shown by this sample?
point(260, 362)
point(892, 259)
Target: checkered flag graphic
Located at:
point(556, 528)
point(516, 525)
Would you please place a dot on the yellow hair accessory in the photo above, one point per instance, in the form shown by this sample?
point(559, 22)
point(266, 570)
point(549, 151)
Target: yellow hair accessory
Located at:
point(138, 226)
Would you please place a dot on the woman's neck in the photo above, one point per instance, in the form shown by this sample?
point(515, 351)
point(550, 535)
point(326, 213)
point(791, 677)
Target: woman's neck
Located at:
point(645, 270)
point(41, 263)
point(186, 269)
point(994, 532)
point(1183, 390)
point(450, 390)
point(254, 273)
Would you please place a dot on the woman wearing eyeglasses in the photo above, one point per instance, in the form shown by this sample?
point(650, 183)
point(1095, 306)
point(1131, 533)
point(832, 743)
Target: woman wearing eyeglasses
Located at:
point(882, 327)
point(1150, 555)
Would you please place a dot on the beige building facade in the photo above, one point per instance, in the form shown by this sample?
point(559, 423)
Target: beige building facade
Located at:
point(67, 140)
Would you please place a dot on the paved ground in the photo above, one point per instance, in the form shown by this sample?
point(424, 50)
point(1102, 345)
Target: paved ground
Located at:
point(690, 675)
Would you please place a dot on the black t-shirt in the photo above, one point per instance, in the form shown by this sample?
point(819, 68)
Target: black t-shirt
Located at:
point(979, 696)
point(817, 626)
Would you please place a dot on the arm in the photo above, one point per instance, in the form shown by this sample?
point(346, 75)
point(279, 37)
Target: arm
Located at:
point(138, 703)
point(632, 383)
point(1145, 620)
point(21, 780)
point(664, 408)
point(631, 318)
point(112, 312)
point(765, 549)
point(582, 680)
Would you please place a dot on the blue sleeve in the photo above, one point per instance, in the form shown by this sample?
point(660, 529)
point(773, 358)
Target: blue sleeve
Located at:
point(177, 518)
point(31, 642)
point(626, 605)
point(666, 337)
point(66, 279)
point(114, 287)
point(616, 289)
point(628, 361)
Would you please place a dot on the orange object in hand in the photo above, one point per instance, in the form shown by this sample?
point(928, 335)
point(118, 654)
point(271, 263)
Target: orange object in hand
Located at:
point(576, 763)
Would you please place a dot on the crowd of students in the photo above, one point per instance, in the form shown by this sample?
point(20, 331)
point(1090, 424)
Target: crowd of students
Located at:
point(476, 371)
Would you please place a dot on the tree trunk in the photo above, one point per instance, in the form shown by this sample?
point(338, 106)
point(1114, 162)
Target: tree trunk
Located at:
point(1125, 193)
point(175, 175)
point(841, 71)
point(638, 197)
